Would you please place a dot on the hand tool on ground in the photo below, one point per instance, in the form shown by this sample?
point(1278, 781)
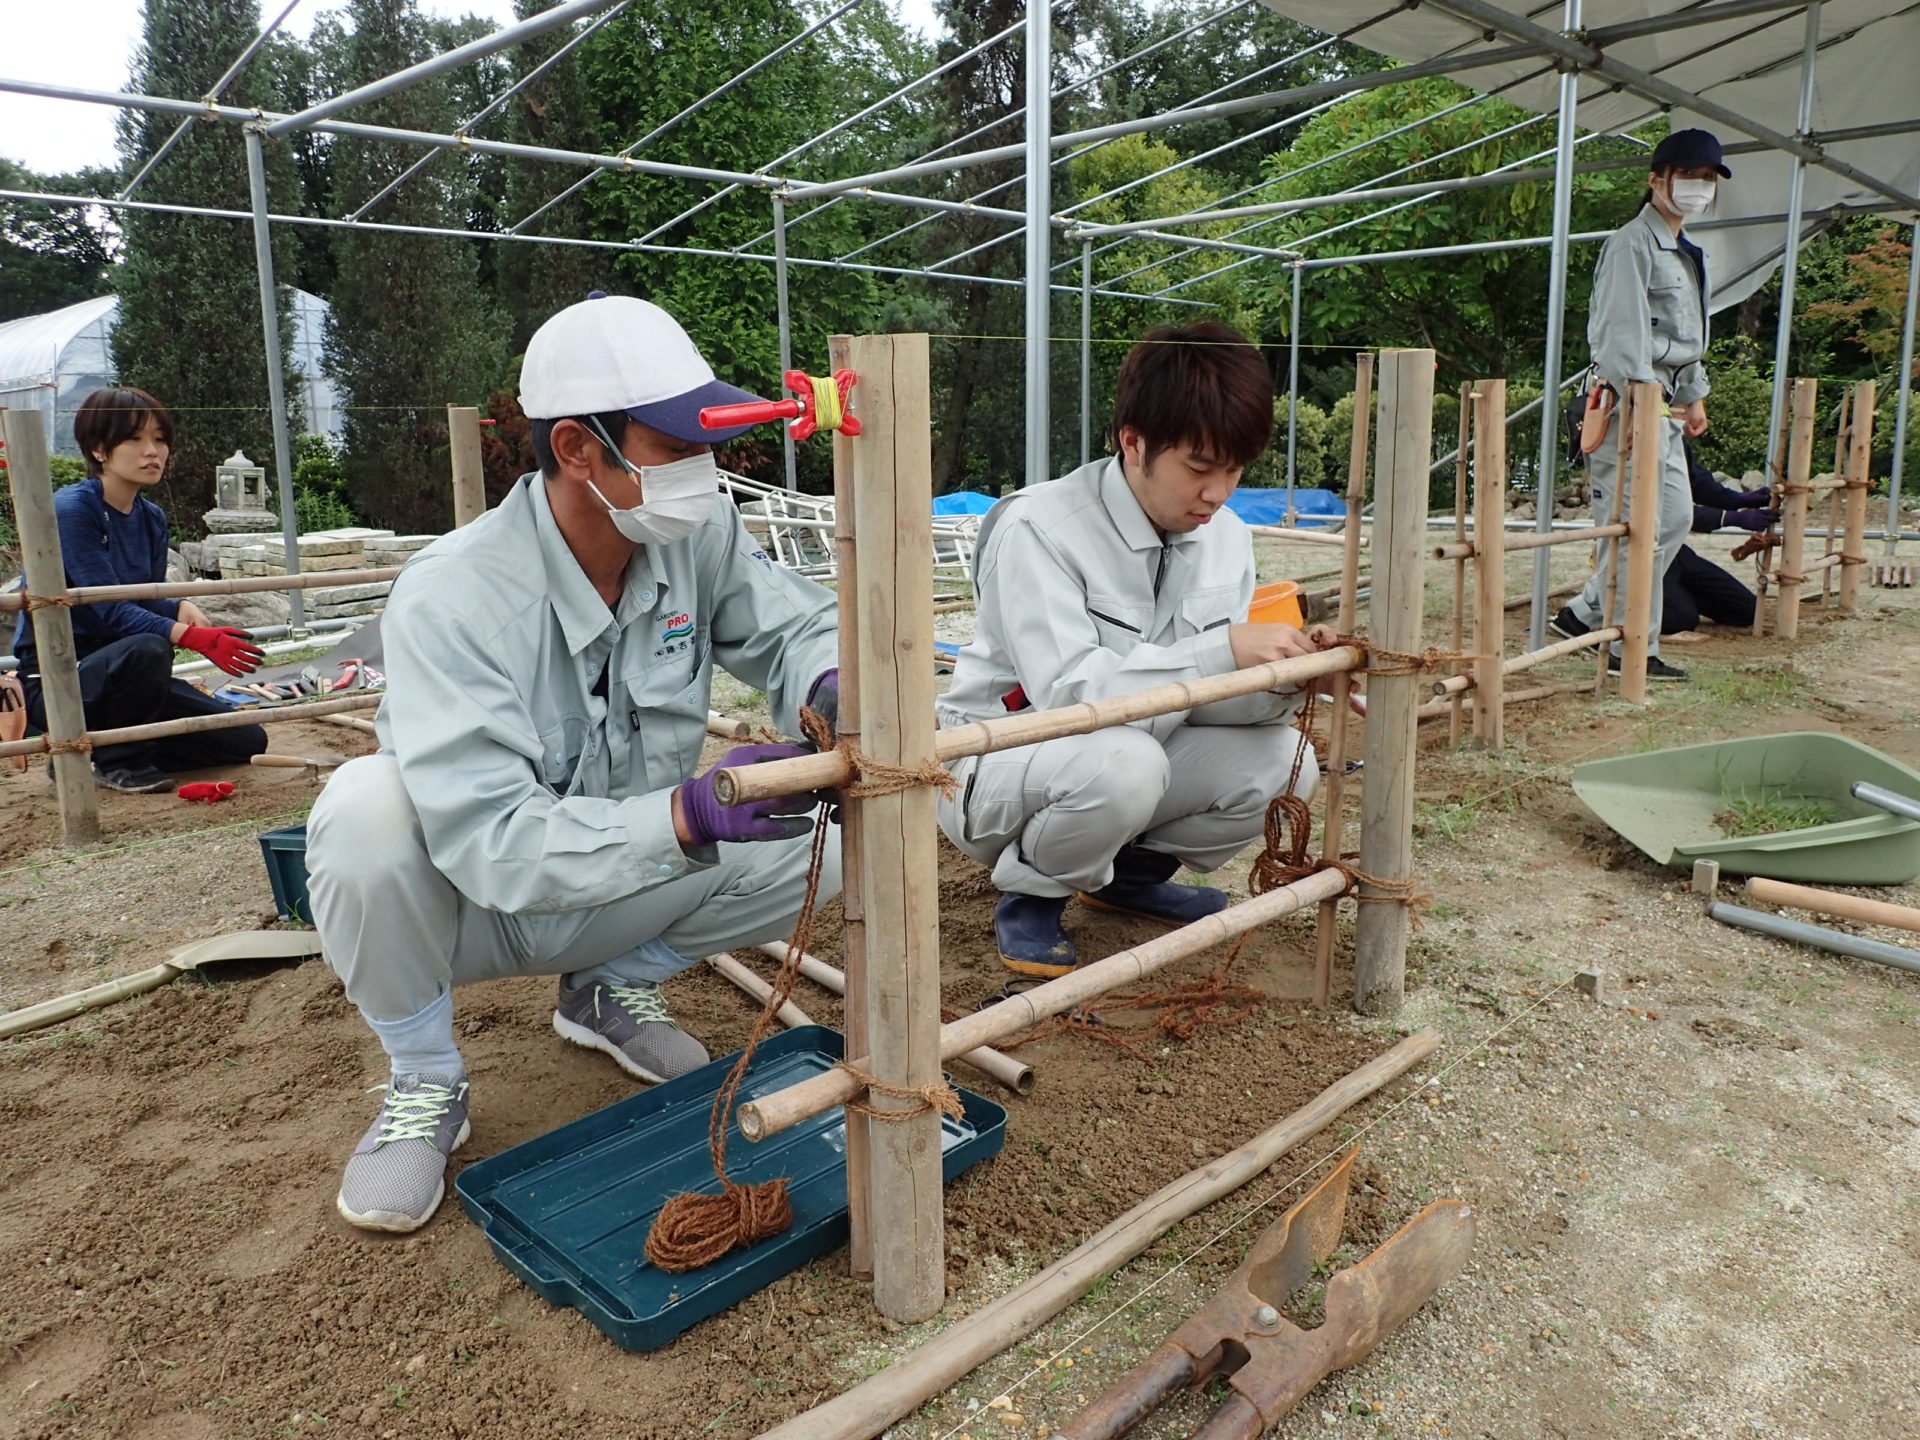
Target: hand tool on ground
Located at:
point(246, 945)
point(1270, 1363)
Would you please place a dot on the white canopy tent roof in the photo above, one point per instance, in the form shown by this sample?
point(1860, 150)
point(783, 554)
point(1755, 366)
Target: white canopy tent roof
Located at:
point(1864, 75)
point(51, 362)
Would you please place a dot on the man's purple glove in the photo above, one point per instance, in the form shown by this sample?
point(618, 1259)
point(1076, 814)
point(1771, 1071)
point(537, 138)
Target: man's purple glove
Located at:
point(1760, 497)
point(781, 818)
point(1754, 520)
point(824, 698)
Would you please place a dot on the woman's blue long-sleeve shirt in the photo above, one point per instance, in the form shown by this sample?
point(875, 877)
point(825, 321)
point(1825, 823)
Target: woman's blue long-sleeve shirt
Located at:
point(100, 546)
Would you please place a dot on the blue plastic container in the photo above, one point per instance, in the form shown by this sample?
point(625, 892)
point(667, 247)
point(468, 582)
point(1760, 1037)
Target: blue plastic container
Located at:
point(285, 852)
point(569, 1212)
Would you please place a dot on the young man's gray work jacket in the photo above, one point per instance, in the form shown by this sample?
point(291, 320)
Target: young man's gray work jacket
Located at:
point(1080, 598)
point(1648, 318)
point(539, 734)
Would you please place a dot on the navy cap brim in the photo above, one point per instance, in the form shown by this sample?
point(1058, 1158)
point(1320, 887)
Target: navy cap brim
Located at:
point(680, 415)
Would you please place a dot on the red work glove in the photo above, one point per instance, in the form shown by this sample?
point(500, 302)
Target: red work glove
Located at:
point(207, 790)
point(225, 646)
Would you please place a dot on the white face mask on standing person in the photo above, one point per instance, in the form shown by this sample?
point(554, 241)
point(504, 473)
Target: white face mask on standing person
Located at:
point(1691, 197)
point(674, 498)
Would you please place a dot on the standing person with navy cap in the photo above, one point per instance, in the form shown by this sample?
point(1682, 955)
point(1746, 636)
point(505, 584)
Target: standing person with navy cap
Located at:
point(1648, 322)
point(533, 809)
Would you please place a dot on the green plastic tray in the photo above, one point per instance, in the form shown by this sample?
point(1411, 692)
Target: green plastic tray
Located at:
point(1665, 801)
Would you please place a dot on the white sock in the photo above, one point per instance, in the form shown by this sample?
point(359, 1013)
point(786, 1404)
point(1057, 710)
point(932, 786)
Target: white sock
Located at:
point(422, 1044)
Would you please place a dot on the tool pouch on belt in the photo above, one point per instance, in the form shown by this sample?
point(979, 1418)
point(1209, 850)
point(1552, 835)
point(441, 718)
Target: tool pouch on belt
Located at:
point(1601, 399)
point(13, 714)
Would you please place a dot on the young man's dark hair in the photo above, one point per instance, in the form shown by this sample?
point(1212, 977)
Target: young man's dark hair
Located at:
point(108, 417)
point(540, 437)
point(1203, 385)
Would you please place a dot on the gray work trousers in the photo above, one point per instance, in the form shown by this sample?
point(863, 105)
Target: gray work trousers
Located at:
point(399, 934)
point(1676, 519)
point(1049, 818)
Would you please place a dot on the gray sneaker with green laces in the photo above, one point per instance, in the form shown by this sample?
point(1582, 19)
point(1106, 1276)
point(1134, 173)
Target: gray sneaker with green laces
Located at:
point(629, 1022)
point(398, 1172)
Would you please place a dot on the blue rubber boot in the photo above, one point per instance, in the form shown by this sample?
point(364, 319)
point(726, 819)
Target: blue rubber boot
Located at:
point(1031, 940)
point(1140, 886)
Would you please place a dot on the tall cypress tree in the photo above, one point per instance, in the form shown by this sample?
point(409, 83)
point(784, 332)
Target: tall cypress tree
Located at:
point(189, 325)
point(411, 329)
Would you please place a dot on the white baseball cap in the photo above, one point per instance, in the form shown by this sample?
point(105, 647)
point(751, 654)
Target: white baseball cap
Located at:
point(618, 352)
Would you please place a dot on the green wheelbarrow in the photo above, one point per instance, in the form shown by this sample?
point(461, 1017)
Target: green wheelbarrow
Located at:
point(1667, 803)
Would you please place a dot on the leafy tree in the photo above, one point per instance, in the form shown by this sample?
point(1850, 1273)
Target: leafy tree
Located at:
point(411, 331)
point(189, 323)
point(1483, 313)
point(51, 255)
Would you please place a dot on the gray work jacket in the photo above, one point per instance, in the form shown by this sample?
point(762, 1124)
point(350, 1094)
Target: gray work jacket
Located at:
point(539, 733)
point(1648, 318)
point(1080, 597)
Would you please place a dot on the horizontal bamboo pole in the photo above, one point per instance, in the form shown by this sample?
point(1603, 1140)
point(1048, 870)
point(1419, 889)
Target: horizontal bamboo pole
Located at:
point(831, 768)
point(770, 1114)
point(1559, 592)
point(726, 727)
point(352, 722)
point(1309, 537)
point(790, 1014)
point(1527, 659)
point(1529, 540)
point(900, 1389)
point(1825, 562)
point(1434, 709)
point(194, 724)
point(186, 589)
point(1016, 1075)
point(1826, 902)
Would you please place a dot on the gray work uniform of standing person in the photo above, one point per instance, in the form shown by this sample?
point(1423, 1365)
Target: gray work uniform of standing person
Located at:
point(530, 811)
point(1126, 573)
point(1648, 322)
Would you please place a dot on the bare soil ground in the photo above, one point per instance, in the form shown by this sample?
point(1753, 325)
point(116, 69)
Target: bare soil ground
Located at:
point(1696, 1208)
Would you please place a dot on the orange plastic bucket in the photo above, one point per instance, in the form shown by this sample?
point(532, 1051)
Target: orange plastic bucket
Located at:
point(1276, 604)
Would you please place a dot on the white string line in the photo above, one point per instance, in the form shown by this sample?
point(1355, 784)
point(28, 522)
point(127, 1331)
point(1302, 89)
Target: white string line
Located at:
point(1045, 1366)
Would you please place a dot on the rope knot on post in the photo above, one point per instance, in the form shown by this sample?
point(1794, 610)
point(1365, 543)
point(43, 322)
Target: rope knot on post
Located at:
point(31, 602)
point(874, 777)
point(941, 1097)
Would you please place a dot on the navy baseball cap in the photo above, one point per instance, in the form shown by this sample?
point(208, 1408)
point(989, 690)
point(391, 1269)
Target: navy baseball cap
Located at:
point(1690, 150)
point(616, 352)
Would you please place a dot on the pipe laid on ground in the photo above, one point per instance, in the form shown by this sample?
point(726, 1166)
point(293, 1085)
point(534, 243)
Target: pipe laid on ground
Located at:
point(1781, 928)
point(900, 1389)
point(1886, 800)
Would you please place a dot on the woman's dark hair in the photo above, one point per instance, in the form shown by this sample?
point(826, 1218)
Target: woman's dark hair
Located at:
point(106, 418)
point(1202, 385)
point(540, 436)
point(1646, 192)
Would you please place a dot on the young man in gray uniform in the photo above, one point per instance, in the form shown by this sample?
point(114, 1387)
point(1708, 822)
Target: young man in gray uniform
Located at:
point(1125, 574)
point(530, 811)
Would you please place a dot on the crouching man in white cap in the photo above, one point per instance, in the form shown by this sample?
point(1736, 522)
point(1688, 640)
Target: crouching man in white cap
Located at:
point(533, 808)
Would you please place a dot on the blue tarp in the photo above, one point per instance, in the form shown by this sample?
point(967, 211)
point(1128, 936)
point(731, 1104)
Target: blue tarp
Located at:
point(962, 502)
point(1269, 507)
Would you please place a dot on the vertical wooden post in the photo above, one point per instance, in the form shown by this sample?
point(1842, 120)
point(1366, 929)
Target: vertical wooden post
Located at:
point(1622, 430)
point(1643, 524)
point(1490, 559)
point(1791, 576)
point(1399, 584)
point(469, 474)
point(1853, 549)
point(1832, 543)
point(1326, 921)
point(1456, 709)
point(31, 481)
point(891, 494)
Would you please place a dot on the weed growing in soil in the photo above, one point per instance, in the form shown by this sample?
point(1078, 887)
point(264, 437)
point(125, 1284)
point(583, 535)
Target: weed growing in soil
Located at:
point(1769, 812)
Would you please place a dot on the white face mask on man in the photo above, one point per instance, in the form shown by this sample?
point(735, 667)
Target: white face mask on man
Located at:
point(676, 498)
point(1690, 197)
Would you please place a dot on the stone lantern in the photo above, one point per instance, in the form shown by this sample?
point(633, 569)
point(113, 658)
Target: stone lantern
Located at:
point(239, 484)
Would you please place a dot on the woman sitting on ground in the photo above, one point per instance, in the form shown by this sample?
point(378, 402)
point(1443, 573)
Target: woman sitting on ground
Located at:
point(111, 534)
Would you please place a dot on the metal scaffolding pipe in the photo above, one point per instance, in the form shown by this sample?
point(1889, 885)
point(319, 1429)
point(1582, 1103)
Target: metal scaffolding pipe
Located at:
point(563, 14)
point(1086, 349)
point(1790, 253)
point(1293, 389)
point(213, 92)
point(784, 319)
point(276, 375)
point(1039, 237)
point(1549, 467)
